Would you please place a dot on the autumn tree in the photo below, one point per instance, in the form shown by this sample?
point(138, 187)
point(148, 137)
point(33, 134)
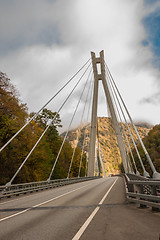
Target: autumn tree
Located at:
point(152, 144)
point(13, 115)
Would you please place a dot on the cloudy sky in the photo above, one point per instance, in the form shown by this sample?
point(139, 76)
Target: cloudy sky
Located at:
point(44, 42)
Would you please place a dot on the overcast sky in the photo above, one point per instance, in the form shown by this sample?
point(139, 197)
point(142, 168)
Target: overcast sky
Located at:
point(44, 42)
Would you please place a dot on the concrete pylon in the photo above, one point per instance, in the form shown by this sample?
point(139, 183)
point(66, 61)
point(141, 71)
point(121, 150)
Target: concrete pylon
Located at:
point(91, 160)
point(97, 77)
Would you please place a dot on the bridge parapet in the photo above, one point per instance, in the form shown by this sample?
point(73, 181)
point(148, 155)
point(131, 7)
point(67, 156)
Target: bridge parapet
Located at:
point(23, 188)
point(135, 177)
point(145, 192)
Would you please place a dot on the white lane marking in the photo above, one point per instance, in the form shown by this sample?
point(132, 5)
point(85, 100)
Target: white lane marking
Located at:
point(52, 199)
point(35, 193)
point(89, 219)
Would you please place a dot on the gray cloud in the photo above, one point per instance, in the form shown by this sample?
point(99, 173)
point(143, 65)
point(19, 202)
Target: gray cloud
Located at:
point(154, 99)
point(27, 23)
point(43, 43)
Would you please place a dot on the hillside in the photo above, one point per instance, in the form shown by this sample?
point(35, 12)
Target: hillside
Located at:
point(13, 115)
point(152, 143)
point(108, 142)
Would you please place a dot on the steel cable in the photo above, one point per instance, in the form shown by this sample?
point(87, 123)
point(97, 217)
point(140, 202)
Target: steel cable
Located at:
point(9, 183)
point(66, 133)
point(36, 114)
point(77, 138)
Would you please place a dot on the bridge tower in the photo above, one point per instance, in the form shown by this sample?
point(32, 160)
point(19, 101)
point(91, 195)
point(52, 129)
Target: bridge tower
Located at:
point(97, 77)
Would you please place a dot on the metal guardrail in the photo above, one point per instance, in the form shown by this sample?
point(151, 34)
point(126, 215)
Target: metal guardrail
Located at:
point(143, 191)
point(23, 188)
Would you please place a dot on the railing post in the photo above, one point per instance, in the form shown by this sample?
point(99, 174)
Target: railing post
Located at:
point(141, 190)
point(154, 192)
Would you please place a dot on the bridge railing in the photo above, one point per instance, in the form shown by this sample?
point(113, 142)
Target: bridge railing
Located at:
point(23, 188)
point(145, 192)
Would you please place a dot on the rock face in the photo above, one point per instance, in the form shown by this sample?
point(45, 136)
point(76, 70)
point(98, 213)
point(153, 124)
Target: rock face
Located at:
point(108, 142)
point(109, 145)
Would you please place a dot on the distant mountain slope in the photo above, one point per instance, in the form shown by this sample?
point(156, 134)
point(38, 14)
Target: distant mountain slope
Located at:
point(152, 143)
point(108, 142)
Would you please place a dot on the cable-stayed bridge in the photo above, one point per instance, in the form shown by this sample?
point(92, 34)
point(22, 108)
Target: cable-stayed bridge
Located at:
point(90, 206)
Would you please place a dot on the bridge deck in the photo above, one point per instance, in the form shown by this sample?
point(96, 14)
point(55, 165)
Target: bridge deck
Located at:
point(60, 213)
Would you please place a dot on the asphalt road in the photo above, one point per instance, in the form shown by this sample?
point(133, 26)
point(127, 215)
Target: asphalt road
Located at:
point(92, 210)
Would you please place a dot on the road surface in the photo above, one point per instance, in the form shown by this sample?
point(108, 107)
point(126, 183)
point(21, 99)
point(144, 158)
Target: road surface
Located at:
point(92, 210)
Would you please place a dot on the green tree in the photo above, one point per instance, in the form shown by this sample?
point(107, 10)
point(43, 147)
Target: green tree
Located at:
point(47, 117)
point(152, 144)
point(13, 115)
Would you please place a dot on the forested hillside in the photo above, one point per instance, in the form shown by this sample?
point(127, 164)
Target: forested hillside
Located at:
point(108, 142)
point(152, 143)
point(13, 115)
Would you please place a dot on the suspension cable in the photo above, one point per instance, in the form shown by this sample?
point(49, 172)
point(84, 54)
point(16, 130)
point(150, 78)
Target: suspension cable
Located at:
point(112, 89)
point(36, 114)
point(67, 132)
point(9, 183)
point(85, 134)
point(112, 81)
point(99, 150)
point(77, 138)
point(86, 167)
point(141, 142)
point(100, 158)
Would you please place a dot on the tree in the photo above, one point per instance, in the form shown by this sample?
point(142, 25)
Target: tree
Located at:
point(13, 115)
point(152, 144)
point(47, 117)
